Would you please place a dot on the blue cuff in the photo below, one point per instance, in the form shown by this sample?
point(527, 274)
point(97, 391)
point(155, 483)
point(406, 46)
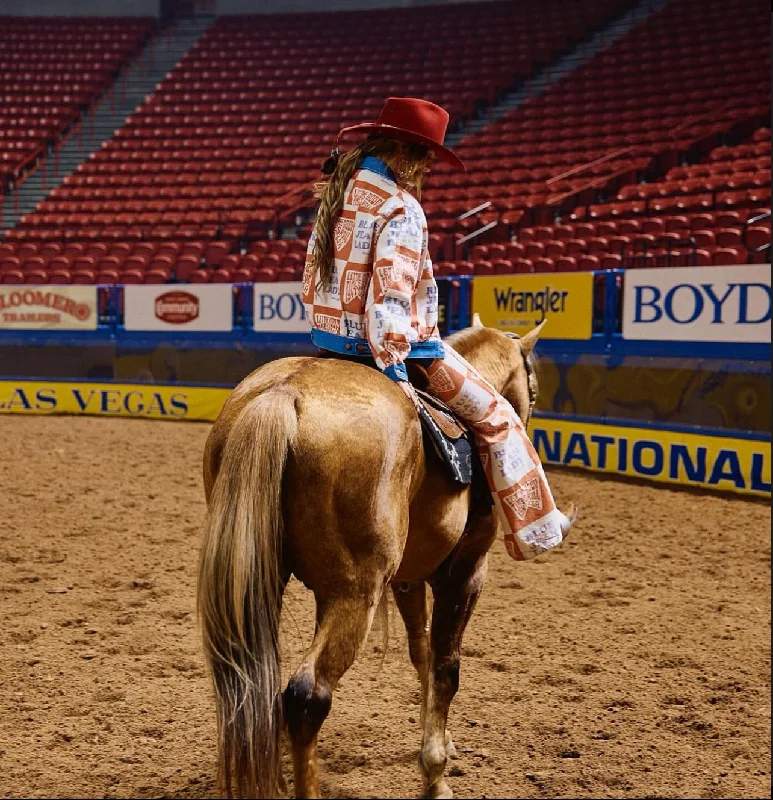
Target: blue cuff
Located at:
point(397, 372)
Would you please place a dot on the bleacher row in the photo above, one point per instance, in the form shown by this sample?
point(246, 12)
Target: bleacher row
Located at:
point(646, 155)
point(151, 262)
point(51, 71)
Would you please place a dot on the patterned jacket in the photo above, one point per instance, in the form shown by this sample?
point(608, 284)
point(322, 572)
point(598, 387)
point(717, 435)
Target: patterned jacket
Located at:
point(382, 299)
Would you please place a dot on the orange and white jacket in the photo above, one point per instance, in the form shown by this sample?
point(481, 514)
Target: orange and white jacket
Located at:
point(382, 299)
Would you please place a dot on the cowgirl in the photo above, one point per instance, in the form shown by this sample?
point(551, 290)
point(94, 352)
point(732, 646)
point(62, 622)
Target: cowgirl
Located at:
point(368, 289)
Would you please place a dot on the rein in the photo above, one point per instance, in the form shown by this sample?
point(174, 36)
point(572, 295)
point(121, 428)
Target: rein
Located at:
point(529, 376)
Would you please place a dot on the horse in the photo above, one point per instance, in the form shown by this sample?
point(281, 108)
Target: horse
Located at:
point(316, 468)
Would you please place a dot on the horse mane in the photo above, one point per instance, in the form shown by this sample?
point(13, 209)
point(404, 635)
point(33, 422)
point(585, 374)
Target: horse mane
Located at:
point(487, 349)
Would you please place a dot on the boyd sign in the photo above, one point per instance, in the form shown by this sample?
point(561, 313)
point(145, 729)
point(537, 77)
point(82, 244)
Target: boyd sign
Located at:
point(698, 304)
point(278, 308)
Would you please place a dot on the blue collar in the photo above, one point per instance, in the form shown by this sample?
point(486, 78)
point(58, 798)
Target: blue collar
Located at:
point(373, 164)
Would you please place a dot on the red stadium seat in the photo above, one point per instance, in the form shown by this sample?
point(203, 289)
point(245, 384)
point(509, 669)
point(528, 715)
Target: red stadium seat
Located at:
point(59, 276)
point(88, 276)
point(35, 276)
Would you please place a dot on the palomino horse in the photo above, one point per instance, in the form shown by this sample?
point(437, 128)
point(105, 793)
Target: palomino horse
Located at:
point(316, 468)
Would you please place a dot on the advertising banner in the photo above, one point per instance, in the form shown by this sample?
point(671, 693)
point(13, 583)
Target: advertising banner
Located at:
point(517, 303)
point(667, 456)
point(61, 308)
point(188, 307)
point(698, 304)
point(278, 308)
point(145, 401)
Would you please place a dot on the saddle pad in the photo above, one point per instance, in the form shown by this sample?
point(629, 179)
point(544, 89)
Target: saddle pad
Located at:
point(448, 438)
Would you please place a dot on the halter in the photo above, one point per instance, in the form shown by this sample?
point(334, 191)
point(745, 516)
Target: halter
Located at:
point(529, 375)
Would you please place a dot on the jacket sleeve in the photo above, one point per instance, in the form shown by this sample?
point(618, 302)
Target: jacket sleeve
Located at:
point(391, 306)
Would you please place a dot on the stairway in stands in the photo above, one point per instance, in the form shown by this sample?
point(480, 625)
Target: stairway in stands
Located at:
point(160, 56)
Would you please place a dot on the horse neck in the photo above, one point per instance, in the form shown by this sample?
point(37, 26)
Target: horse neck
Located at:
point(485, 351)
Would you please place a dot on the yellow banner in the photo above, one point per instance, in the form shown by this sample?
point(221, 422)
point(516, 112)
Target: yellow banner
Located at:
point(144, 401)
point(517, 303)
point(689, 459)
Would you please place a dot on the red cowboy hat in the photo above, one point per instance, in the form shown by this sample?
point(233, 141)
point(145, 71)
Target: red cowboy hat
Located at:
point(413, 120)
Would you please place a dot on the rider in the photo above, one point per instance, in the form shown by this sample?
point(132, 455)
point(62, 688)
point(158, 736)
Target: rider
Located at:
point(368, 289)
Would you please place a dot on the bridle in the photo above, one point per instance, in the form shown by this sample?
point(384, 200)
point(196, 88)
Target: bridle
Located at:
point(529, 376)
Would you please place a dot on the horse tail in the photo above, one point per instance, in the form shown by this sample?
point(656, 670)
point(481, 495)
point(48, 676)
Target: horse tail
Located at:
point(240, 594)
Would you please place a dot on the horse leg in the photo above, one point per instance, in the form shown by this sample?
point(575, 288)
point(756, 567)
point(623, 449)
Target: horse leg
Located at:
point(456, 591)
point(411, 601)
point(343, 623)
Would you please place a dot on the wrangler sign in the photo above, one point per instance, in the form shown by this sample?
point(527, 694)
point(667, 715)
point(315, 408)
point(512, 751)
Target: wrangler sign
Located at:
point(517, 303)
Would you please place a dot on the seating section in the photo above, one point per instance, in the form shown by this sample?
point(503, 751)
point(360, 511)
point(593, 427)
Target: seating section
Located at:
point(661, 96)
point(52, 70)
point(248, 114)
point(648, 155)
point(697, 215)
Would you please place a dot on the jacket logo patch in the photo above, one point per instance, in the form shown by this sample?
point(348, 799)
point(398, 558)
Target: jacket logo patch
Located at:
point(366, 199)
point(342, 232)
point(527, 495)
point(327, 322)
point(355, 285)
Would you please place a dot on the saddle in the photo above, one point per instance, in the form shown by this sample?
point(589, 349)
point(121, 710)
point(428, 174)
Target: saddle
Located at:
point(445, 435)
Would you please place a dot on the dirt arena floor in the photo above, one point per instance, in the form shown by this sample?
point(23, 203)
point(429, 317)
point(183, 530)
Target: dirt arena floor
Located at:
point(632, 662)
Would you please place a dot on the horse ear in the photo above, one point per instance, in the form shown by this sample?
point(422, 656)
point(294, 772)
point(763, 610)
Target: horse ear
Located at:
point(476, 323)
point(530, 339)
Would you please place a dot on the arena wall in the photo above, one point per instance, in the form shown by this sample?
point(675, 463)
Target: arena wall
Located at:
point(693, 411)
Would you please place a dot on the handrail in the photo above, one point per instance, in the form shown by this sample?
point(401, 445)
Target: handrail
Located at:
point(590, 185)
point(758, 218)
point(290, 195)
point(613, 154)
point(749, 222)
point(474, 210)
point(478, 232)
point(593, 163)
point(698, 118)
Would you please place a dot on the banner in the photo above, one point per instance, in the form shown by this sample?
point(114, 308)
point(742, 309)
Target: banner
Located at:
point(517, 303)
point(188, 307)
point(278, 308)
point(147, 401)
point(666, 456)
point(61, 308)
point(698, 304)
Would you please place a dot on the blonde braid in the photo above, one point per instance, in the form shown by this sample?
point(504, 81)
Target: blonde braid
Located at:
point(408, 160)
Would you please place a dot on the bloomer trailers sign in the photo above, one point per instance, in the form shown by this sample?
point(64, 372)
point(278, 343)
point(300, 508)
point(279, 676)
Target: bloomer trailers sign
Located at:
point(667, 456)
point(517, 303)
point(189, 307)
point(63, 308)
point(698, 304)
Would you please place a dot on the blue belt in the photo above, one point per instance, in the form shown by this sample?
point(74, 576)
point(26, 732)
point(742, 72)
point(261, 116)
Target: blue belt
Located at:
point(346, 345)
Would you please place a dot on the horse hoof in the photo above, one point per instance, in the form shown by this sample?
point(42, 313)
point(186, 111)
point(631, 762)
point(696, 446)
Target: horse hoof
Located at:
point(440, 790)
